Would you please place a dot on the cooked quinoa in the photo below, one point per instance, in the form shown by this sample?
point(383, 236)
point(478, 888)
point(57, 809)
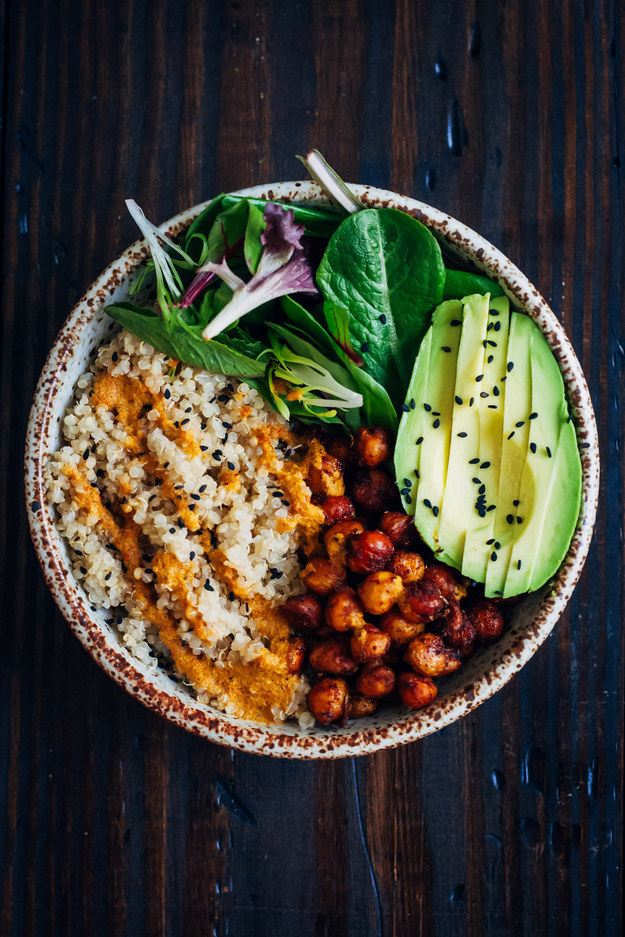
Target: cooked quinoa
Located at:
point(182, 499)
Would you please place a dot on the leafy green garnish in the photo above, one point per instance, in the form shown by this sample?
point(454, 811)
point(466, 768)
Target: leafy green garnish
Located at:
point(459, 284)
point(385, 269)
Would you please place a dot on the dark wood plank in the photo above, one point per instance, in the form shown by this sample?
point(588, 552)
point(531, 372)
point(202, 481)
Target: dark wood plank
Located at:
point(510, 117)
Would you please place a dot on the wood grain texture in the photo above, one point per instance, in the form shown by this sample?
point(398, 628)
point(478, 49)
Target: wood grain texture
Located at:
point(508, 115)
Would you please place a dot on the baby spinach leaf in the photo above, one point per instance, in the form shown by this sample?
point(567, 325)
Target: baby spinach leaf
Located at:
point(459, 284)
point(252, 246)
point(318, 222)
point(377, 407)
point(184, 341)
point(386, 270)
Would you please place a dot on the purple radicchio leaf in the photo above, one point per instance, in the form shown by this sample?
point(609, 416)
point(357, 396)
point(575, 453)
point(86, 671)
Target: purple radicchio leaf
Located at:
point(284, 268)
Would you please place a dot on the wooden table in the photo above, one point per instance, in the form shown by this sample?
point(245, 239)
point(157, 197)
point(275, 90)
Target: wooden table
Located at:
point(508, 115)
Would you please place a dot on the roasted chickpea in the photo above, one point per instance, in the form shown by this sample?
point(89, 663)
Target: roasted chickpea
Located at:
point(399, 528)
point(340, 448)
point(372, 445)
point(360, 706)
point(398, 628)
point(447, 581)
point(369, 552)
point(458, 630)
point(295, 655)
point(415, 690)
point(343, 610)
point(379, 592)
point(338, 508)
point(336, 539)
point(374, 490)
point(376, 680)
point(369, 643)
point(408, 566)
point(453, 660)
point(487, 621)
point(332, 656)
point(322, 576)
point(421, 601)
point(325, 476)
point(328, 701)
point(426, 655)
point(303, 612)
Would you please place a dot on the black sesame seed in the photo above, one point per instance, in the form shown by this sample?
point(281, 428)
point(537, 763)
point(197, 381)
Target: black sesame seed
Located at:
point(509, 519)
point(497, 326)
point(584, 445)
point(407, 482)
point(481, 489)
point(365, 347)
point(86, 454)
point(518, 565)
point(476, 480)
point(492, 406)
point(178, 487)
point(533, 447)
point(516, 502)
point(445, 348)
point(490, 542)
point(231, 596)
point(493, 312)
point(202, 489)
point(484, 343)
point(185, 421)
point(222, 398)
point(491, 507)
point(177, 424)
point(412, 404)
point(419, 440)
point(435, 510)
point(489, 359)
point(191, 507)
point(458, 400)
point(167, 393)
point(493, 556)
point(405, 408)
point(510, 366)
point(490, 325)
point(436, 423)
point(426, 406)
point(495, 391)
point(195, 497)
point(218, 455)
point(180, 523)
point(491, 343)
point(203, 448)
point(408, 499)
point(285, 503)
point(208, 586)
point(427, 503)
point(417, 473)
point(115, 356)
point(165, 464)
point(479, 378)
point(519, 520)
point(383, 319)
point(471, 401)
point(473, 461)
point(172, 530)
point(404, 491)
point(485, 465)
point(231, 466)
point(277, 494)
point(226, 425)
point(548, 451)
point(456, 322)
point(532, 416)
point(462, 435)
point(484, 394)
point(510, 435)
point(435, 413)
point(83, 570)
point(497, 545)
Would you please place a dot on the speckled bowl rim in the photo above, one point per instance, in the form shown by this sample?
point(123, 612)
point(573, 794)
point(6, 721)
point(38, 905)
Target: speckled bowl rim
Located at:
point(374, 733)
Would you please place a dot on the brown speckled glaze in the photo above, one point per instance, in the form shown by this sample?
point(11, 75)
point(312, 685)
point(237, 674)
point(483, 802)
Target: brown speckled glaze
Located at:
point(532, 619)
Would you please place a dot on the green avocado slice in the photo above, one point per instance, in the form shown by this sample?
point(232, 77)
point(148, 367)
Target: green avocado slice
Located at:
point(490, 404)
point(456, 513)
point(549, 499)
point(423, 399)
point(515, 442)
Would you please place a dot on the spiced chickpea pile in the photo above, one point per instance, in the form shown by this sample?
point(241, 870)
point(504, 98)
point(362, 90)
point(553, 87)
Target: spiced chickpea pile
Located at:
point(377, 619)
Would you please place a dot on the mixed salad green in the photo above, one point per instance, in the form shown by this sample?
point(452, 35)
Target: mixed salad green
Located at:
point(353, 316)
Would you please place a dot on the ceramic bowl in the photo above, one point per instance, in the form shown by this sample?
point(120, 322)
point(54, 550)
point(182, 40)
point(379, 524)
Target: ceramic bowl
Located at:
point(485, 673)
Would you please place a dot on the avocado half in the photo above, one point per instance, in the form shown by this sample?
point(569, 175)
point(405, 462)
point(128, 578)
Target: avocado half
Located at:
point(486, 457)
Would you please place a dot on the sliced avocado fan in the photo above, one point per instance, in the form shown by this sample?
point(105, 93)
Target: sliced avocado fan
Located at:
point(486, 456)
